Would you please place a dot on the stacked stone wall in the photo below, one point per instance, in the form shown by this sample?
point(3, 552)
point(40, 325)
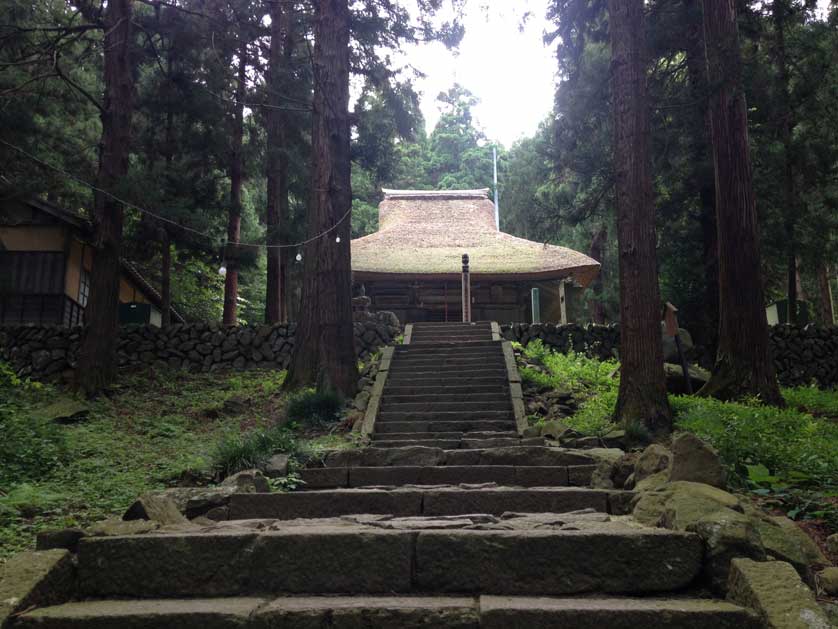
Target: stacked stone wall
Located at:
point(802, 355)
point(42, 352)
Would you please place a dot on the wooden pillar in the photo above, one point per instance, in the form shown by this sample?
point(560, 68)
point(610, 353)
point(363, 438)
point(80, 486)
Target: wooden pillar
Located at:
point(563, 301)
point(466, 291)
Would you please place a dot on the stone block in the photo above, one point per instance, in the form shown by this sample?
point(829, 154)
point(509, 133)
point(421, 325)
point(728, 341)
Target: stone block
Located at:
point(33, 579)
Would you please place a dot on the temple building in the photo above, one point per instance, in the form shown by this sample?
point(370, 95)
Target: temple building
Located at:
point(412, 265)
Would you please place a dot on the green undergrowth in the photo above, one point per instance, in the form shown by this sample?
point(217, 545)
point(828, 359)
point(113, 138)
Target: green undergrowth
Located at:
point(152, 429)
point(788, 457)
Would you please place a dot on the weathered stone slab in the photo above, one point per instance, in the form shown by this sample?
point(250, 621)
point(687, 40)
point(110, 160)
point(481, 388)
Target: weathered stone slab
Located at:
point(165, 565)
point(325, 477)
point(228, 613)
point(324, 504)
point(498, 501)
point(552, 563)
point(331, 562)
point(502, 612)
point(774, 590)
point(35, 578)
point(541, 476)
point(156, 507)
point(380, 612)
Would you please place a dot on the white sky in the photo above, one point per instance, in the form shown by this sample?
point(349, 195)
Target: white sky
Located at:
point(508, 69)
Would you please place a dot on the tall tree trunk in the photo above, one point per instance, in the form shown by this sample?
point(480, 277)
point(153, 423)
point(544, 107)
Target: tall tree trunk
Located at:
point(277, 161)
point(234, 219)
point(642, 397)
point(702, 172)
point(324, 352)
point(779, 12)
point(165, 278)
point(825, 289)
point(596, 307)
point(97, 355)
point(743, 361)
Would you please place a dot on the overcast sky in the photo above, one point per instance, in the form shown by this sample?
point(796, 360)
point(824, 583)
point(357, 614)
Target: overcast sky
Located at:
point(510, 70)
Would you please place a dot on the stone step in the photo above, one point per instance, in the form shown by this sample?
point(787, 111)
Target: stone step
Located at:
point(471, 404)
point(442, 416)
point(344, 558)
point(497, 395)
point(457, 379)
point(459, 444)
point(443, 426)
point(519, 455)
point(425, 501)
point(451, 339)
point(443, 435)
point(485, 371)
point(399, 475)
point(394, 612)
point(459, 362)
point(500, 387)
point(446, 444)
point(457, 348)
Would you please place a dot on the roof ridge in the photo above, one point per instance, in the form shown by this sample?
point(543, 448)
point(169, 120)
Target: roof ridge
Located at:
point(418, 194)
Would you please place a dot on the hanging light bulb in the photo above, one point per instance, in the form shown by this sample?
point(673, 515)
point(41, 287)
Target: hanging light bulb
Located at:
point(222, 271)
point(337, 239)
point(299, 257)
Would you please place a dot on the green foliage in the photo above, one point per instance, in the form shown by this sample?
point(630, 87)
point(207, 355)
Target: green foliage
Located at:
point(314, 408)
point(790, 444)
point(156, 427)
point(813, 400)
point(237, 451)
point(289, 482)
point(30, 446)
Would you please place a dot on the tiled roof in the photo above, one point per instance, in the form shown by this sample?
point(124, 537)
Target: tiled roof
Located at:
point(426, 233)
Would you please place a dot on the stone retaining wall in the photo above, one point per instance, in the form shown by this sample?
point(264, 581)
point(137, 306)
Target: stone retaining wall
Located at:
point(801, 354)
point(44, 351)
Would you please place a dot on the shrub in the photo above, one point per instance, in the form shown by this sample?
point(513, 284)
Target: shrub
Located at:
point(237, 451)
point(30, 446)
point(314, 408)
point(787, 442)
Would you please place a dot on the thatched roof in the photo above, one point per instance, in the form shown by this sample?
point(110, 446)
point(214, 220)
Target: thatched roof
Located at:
point(425, 233)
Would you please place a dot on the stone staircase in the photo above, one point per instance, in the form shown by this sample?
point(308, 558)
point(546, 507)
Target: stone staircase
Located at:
point(448, 521)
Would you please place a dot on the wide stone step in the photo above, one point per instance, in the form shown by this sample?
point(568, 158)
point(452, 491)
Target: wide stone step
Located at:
point(443, 426)
point(425, 501)
point(434, 406)
point(486, 371)
point(331, 558)
point(446, 444)
point(420, 398)
point(458, 379)
point(518, 454)
point(394, 612)
point(433, 339)
point(461, 444)
point(501, 387)
point(399, 475)
point(428, 364)
point(442, 435)
point(466, 346)
point(442, 416)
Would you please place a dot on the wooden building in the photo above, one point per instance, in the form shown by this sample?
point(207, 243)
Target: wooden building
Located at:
point(45, 265)
point(413, 264)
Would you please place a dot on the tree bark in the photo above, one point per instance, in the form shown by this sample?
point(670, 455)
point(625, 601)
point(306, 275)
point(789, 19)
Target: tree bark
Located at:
point(744, 366)
point(642, 397)
point(234, 219)
point(324, 352)
point(97, 354)
point(277, 159)
point(596, 307)
point(702, 173)
point(825, 289)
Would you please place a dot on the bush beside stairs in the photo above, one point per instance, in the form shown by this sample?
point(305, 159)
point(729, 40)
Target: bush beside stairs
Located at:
point(450, 519)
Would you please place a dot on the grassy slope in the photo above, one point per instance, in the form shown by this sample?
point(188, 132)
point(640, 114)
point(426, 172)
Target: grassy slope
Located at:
point(152, 429)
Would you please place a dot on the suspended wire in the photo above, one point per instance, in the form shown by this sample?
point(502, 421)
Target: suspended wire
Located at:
point(141, 210)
